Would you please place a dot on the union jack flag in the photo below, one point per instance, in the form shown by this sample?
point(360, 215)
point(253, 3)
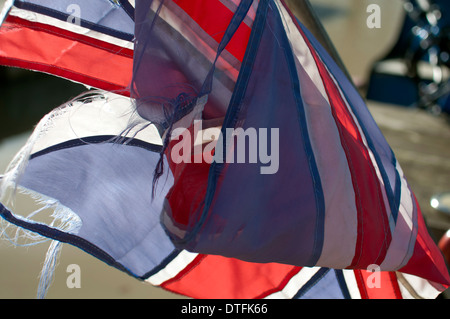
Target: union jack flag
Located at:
point(338, 207)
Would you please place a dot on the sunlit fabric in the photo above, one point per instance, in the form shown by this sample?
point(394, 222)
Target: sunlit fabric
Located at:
point(160, 188)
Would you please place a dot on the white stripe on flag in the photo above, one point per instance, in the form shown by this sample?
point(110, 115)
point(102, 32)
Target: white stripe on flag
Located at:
point(172, 269)
point(341, 213)
point(352, 284)
point(68, 26)
point(295, 284)
point(414, 287)
point(6, 7)
point(404, 237)
point(404, 230)
point(372, 157)
point(105, 114)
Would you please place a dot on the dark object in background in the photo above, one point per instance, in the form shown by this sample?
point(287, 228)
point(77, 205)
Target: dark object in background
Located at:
point(416, 71)
point(26, 96)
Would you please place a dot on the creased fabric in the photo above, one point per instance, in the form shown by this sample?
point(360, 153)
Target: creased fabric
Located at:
point(224, 154)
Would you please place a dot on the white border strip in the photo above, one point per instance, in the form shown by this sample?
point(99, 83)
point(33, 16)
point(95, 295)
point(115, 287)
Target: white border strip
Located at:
point(295, 284)
point(72, 27)
point(352, 284)
point(422, 288)
point(5, 10)
point(179, 263)
point(404, 238)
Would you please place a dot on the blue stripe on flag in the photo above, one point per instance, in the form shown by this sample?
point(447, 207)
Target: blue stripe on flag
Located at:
point(342, 283)
point(97, 140)
point(63, 16)
point(129, 9)
point(313, 281)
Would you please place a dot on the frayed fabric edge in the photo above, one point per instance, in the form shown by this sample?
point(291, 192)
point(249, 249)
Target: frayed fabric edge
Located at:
point(69, 223)
point(17, 166)
point(64, 220)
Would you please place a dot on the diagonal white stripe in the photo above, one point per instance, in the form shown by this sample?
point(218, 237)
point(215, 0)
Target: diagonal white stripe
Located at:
point(352, 284)
point(413, 287)
point(72, 27)
point(404, 230)
point(404, 237)
point(180, 262)
point(7, 6)
point(372, 157)
point(295, 284)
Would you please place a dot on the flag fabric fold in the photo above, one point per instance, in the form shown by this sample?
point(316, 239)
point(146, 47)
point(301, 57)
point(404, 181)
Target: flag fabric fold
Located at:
point(90, 44)
point(223, 153)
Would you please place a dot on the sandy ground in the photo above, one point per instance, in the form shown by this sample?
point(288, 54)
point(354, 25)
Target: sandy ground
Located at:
point(420, 141)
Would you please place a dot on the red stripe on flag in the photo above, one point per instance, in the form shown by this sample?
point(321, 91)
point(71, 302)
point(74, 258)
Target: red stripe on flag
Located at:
point(228, 278)
point(27, 45)
point(361, 284)
point(67, 74)
point(283, 283)
point(184, 271)
point(377, 285)
point(213, 17)
point(72, 36)
point(373, 226)
point(427, 260)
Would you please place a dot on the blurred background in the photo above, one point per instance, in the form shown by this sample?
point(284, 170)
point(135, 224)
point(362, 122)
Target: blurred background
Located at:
point(409, 107)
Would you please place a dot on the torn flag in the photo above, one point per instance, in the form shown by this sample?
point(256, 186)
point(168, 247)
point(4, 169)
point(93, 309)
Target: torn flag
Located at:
point(197, 218)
